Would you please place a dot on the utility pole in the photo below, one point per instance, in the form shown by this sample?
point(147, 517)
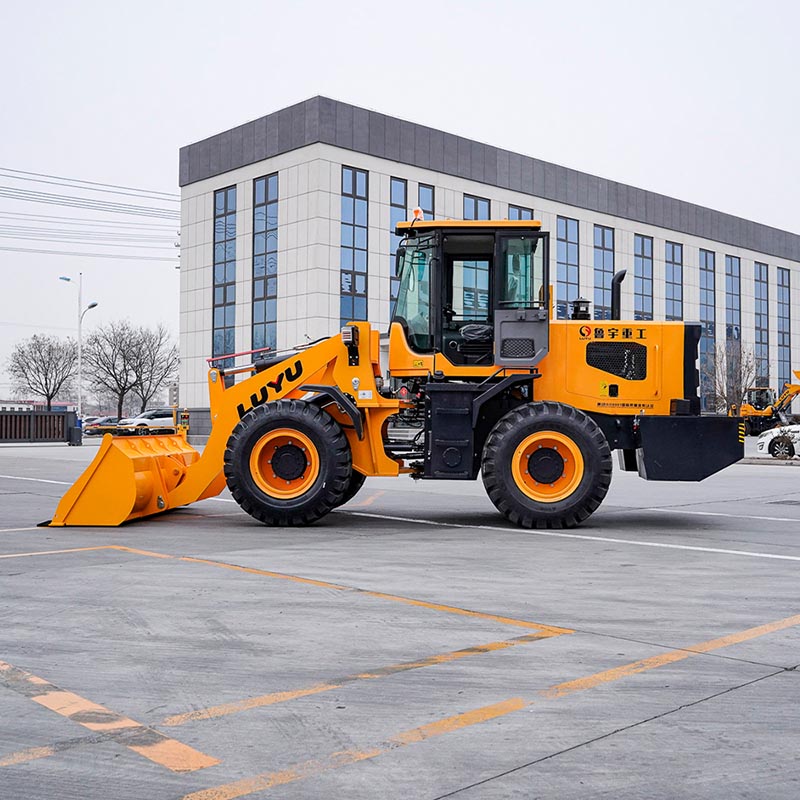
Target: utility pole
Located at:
point(81, 313)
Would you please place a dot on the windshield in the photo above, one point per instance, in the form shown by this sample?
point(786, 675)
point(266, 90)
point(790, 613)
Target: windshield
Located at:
point(414, 299)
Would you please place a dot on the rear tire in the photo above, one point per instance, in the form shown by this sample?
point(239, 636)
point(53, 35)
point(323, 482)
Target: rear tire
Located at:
point(781, 447)
point(287, 463)
point(546, 465)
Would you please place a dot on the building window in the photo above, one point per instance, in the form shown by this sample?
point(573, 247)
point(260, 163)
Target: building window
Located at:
point(476, 207)
point(224, 314)
point(353, 298)
point(519, 212)
point(734, 373)
point(708, 319)
point(398, 205)
point(567, 265)
point(265, 261)
point(642, 277)
point(426, 196)
point(733, 299)
point(784, 328)
point(673, 260)
point(762, 323)
point(603, 270)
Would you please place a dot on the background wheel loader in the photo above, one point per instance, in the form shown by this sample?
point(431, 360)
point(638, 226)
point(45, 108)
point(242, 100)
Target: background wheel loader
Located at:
point(760, 409)
point(480, 373)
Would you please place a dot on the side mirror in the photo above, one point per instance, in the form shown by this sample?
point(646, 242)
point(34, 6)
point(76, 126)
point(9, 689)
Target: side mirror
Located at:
point(398, 260)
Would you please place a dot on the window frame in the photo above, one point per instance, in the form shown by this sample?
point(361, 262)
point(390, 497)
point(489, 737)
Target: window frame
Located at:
point(565, 265)
point(476, 201)
point(223, 336)
point(351, 233)
point(264, 300)
point(642, 282)
point(603, 310)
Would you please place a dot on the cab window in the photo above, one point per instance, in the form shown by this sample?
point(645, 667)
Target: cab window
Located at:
point(522, 273)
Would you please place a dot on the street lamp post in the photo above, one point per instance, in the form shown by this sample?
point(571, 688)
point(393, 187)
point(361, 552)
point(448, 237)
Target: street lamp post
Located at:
point(81, 313)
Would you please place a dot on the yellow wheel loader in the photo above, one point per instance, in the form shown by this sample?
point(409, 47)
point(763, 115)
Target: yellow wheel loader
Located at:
point(482, 380)
point(761, 411)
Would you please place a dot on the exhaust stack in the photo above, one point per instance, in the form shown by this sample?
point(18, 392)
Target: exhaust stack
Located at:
point(616, 293)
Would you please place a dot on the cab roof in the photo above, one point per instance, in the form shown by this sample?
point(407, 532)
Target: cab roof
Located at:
point(467, 224)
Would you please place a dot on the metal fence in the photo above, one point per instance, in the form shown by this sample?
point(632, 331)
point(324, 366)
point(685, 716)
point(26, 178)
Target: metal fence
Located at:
point(36, 426)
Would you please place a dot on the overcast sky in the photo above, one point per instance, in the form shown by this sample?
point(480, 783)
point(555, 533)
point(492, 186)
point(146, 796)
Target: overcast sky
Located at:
point(697, 100)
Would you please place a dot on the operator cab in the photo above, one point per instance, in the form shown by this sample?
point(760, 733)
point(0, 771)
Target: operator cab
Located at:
point(761, 398)
point(474, 291)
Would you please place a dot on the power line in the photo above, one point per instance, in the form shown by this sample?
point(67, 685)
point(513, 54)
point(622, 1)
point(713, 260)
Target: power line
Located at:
point(25, 217)
point(82, 202)
point(37, 325)
point(90, 183)
point(95, 242)
point(12, 231)
point(107, 256)
point(91, 188)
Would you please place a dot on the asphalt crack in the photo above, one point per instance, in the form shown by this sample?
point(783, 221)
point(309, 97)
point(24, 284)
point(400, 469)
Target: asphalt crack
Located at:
point(608, 735)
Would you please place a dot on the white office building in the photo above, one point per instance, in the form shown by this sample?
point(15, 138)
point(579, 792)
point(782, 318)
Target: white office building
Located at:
point(286, 232)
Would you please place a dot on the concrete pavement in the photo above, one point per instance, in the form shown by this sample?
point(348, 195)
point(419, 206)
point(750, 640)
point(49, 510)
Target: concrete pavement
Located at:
point(411, 644)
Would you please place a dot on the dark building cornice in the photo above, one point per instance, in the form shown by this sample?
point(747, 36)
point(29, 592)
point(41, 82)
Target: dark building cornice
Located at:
point(326, 121)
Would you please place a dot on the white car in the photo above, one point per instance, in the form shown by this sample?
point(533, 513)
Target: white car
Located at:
point(155, 420)
point(781, 442)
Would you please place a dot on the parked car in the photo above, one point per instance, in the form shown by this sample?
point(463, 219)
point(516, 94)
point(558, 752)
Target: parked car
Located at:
point(159, 420)
point(88, 421)
point(100, 426)
point(781, 442)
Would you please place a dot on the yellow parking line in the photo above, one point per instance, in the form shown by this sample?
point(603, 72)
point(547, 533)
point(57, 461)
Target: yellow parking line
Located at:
point(520, 623)
point(23, 756)
point(370, 500)
point(312, 768)
point(610, 675)
point(343, 588)
point(466, 612)
point(269, 780)
point(145, 741)
point(225, 709)
point(56, 552)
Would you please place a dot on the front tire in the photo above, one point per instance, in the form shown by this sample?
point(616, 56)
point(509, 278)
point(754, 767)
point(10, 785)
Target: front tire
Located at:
point(287, 463)
point(781, 447)
point(353, 487)
point(546, 465)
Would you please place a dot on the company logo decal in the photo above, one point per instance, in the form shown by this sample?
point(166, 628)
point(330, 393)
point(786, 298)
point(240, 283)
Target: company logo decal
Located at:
point(290, 375)
point(612, 332)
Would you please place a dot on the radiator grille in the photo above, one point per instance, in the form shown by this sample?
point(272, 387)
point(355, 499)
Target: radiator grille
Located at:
point(626, 360)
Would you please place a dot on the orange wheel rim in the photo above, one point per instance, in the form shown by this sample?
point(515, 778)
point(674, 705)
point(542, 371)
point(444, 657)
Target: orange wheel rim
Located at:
point(547, 466)
point(284, 463)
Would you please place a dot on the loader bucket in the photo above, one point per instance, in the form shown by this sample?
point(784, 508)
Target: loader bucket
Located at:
point(130, 477)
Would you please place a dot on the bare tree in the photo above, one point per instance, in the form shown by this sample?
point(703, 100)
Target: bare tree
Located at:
point(156, 363)
point(43, 366)
point(735, 370)
point(110, 357)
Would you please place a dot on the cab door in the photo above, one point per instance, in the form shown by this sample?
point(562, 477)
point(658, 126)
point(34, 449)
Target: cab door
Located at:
point(521, 314)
